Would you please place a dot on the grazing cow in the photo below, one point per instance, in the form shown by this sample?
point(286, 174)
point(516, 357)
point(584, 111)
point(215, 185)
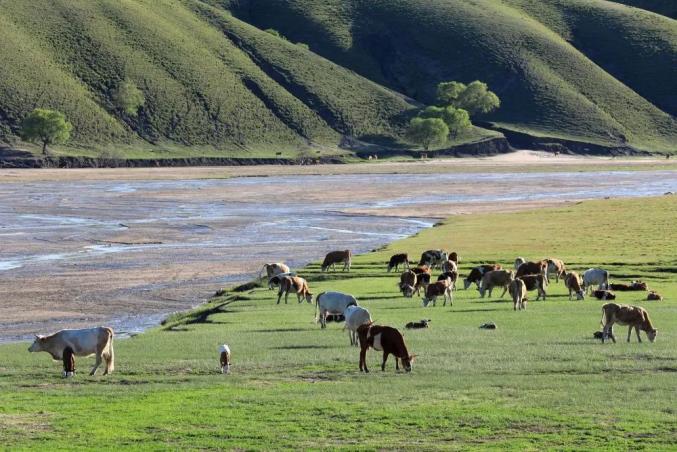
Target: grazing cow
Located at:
point(634, 286)
point(449, 266)
point(407, 284)
point(224, 358)
point(603, 294)
point(496, 278)
point(397, 260)
point(518, 292)
point(519, 261)
point(453, 275)
point(417, 325)
point(654, 296)
point(274, 269)
point(475, 275)
point(356, 316)
point(536, 282)
point(595, 276)
point(453, 256)
point(436, 289)
point(422, 282)
point(573, 282)
point(337, 257)
point(386, 339)
point(533, 268)
point(433, 258)
point(555, 267)
point(331, 303)
point(298, 285)
point(91, 341)
point(634, 316)
point(275, 280)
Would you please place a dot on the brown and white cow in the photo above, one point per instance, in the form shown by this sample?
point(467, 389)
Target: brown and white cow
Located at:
point(533, 268)
point(453, 256)
point(337, 257)
point(634, 316)
point(85, 342)
point(386, 339)
point(297, 285)
point(398, 259)
point(449, 266)
point(452, 274)
point(555, 267)
point(475, 275)
point(572, 281)
point(407, 283)
point(224, 358)
point(536, 282)
point(273, 269)
point(518, 292)
point(436, 289)
point(603, 294)
point(496, 278)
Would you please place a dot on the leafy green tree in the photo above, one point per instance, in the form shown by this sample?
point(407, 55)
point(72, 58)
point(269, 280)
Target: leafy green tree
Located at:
point(427, 131)
point(473, 98)
point(46, 127)
point(456, 119)
point(448, 92)
point(129, 98)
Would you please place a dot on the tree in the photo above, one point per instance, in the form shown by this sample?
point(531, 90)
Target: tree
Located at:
point(448, 92)
point(47, 127)
point(129, 98)
point(473, 98)
point(456, 119)
point(427, 131)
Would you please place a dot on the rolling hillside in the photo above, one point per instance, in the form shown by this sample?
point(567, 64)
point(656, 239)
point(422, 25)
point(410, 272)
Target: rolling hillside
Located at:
point(215, 83)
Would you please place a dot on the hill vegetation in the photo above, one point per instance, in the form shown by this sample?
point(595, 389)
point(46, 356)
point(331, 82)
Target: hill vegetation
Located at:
point(242, 78)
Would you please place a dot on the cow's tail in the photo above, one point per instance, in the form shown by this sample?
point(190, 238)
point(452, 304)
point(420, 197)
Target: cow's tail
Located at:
point(110, 366)
point(317, 307)
point(603, 321)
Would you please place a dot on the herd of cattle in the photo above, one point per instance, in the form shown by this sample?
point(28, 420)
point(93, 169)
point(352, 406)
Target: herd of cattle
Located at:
point(526, 276)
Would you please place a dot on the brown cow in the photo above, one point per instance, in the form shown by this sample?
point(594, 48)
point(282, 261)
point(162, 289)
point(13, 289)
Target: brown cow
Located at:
point(298, 285)
point(634, 316)
point(556, 267)
point(603, 294)
point(533, 268)
point(572, 281)
point(407, 283)
point(518, 292)
point(475, 275)
point(386, 339)
point(453, 275)
point(437, 289)
point(397, 260)
point(635, 285)
point(654, 296)
point(536, 282)
point(453, 256)
point(421, 269)
point(336, 257)
point(422, 282)
point(496, 278)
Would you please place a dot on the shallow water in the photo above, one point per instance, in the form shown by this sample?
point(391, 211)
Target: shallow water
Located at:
point(127, 253)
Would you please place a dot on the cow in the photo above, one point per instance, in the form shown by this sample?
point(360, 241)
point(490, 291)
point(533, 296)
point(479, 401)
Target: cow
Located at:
point(397, 260)
point(421, 269)
point(533, 268)
point(475, 275)
point(418, 325)
point(594, 276)
point(224, 358)
point(536, 282)
point(634, 316)
point(356, 316)
point(519, 261)
point(518, 292)
point(556, 267)
point(449, 266)
point(603, 294)
point(654, 296)
point(337, 257)
point(331, 303)
point(298, 285)
point(436, 289)
point(407, 283)
point(496, 278)
point(453, 275)
point(275, 280)
point(453, 256)
point(273, 270)
point(635, 285)
point(422, 282)
point(386, 339)
point(433, 258)
point(85, 342)
point(573, 282)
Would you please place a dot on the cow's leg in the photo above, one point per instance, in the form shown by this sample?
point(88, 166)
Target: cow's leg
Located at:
point(279, 295)
point(97, 363)
point(570, 295)
point(68, 363)
point(286, 296)
point(639, 338)
point(397, 365)
point(363, 359)
point(323, 319)
point(385, 358)
point(630, 332)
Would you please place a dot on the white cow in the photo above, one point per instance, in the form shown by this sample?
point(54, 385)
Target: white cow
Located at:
point(356, 316)
point(332, 303)
point(86, 342)
point(595, 276)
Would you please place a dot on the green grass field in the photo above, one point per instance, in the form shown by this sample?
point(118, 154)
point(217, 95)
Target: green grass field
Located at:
point(537, 382)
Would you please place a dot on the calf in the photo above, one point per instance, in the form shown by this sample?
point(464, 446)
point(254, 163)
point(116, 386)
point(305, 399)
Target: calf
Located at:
point(91, 341)
point(407, 283)
point(573, 282)
point(594, 276)
point(654, 296)
point(331, 303)
point(536, 282)
point(296, 284)
point(453, 275)
point(518, 292)
point(224, 358)
point(386, 339)
point(436, 289)
point(603, 294)
point(417, 325)
point(496, 278)
point(337, 257)
point(635, 285)
point(273, 269)
point(519, 261)
point(433, 258)
point(634, 316)
point(476, 274)
point(397, 260)
point(356, 316)
point(533, 268)
point(556, 267)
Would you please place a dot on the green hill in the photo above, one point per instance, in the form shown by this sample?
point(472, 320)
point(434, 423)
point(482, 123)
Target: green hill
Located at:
point(215, 83)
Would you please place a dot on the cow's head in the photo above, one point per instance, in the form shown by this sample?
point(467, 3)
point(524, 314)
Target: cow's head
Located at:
point(466, 283)
point(38, 344)
point(651, 334)
point(309, 298)
point(407, 290)
point(225, 362)
point(406, 362)
point(580, 295)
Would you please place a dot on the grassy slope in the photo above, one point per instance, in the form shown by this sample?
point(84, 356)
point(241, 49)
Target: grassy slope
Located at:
point(539, 381)
point(666, 8)
point(540, 57)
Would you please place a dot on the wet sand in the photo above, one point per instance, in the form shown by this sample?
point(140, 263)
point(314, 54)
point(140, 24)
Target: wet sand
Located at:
point(110, 248)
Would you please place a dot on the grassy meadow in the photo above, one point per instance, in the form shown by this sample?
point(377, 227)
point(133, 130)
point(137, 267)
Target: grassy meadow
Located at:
point(540, 381)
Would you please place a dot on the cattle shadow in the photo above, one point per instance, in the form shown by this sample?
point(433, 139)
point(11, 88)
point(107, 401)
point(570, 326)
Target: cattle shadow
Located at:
point(200, 317)
point(280, 330)
point(380, 297)
point(302, 347)
point(479, 310)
